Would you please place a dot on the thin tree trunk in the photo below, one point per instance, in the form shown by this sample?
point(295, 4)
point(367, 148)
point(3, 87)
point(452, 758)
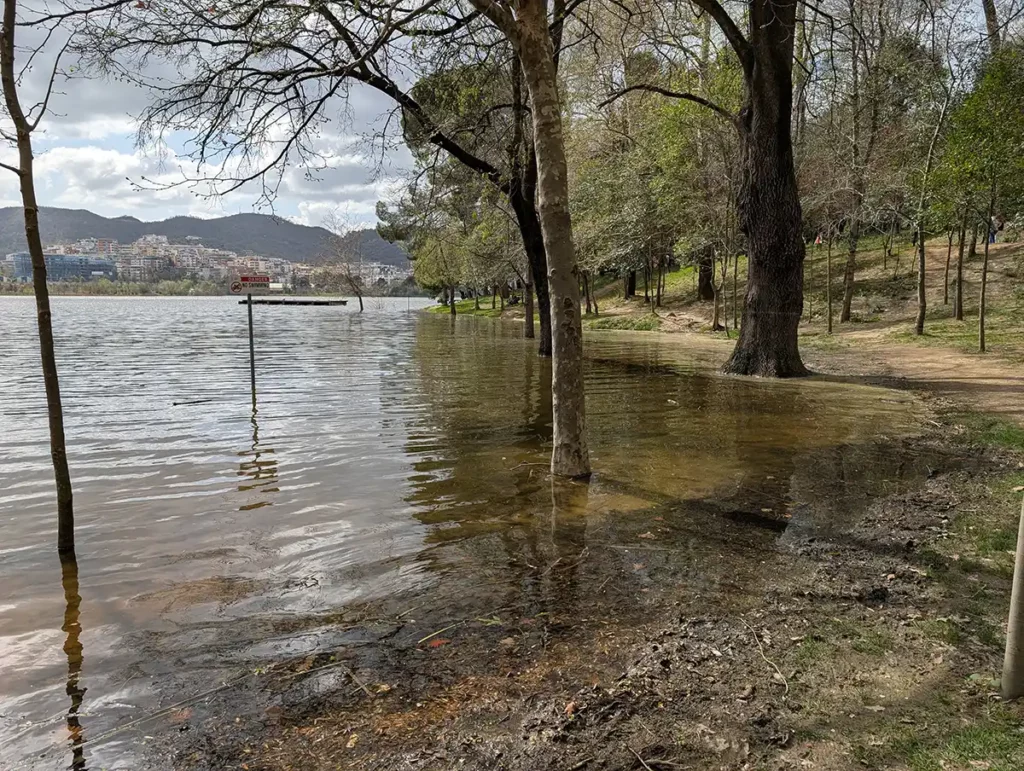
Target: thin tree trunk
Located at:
point(945, 278)
point(494, 296)
point(958, 302)
point(528, 323)
point(735, 291)
point(522, 201)
point(828, 284)
point(984, 270)
point(51, 382)
point(586, 290)
point(768, 201)
point(476, 300)
point(451, 305)
point(922, 296)
point(570, 456)
point(859, 180)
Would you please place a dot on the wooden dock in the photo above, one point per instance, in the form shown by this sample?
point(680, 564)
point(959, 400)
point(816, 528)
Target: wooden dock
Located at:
point(282, 301)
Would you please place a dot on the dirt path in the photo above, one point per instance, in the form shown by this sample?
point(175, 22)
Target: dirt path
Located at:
point(983, 383)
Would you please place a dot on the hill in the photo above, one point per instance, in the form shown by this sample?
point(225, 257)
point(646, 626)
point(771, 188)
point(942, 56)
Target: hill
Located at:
point(257, 233)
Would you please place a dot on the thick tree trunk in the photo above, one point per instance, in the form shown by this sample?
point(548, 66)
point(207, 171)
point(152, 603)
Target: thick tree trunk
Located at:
point(51, 382)
point(521, 199)
point(958, 301)
point(570, 456)
point(706, 275)
point(769, 203)
point(992, 25)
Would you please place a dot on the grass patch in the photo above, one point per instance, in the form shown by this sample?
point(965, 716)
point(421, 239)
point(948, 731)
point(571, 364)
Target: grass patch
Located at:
point(992, 432)
point(647, 323)
point(996, 746)
point(468, 308)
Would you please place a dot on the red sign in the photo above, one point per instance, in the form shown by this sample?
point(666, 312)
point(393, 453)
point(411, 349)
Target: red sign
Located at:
point(249, 284)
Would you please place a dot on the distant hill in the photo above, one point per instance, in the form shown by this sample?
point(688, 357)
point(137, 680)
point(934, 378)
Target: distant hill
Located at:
point(259, 233)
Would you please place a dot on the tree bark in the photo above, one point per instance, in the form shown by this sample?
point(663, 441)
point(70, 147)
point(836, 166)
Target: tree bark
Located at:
point(958, 302)
point(706, 274)
point(922, 296)
point(570, 456)
point(945, 278)
point(769, 203)
point(521, 198)
point(51, 382)
point(451, 305)
point(984, 271)
point(631, 284)
point(528, 325)
point(992, 25)
point(828, 284)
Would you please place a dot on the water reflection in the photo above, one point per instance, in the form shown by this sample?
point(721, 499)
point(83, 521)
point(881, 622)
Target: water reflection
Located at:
point(74, 652)
point(260, 468)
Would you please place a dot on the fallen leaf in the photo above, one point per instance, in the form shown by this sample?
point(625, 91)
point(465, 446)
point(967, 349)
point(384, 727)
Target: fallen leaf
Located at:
point(352, 741)
point(181, 715)
point(638, 566)
point(570, 708)
point(1019, 489)
point(508, 642)
point(437, 642)
point(383, 688)
point(649, 536)
point(875, 708)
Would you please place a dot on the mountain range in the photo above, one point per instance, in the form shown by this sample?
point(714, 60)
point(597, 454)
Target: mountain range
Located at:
point(257, 233)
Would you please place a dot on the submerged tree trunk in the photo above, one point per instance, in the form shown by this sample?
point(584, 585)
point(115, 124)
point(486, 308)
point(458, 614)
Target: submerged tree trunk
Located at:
point(51, 382)
point(570, 456)
point(769, 203)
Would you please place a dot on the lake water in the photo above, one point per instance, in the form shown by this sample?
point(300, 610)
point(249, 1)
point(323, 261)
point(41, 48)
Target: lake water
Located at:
point(393, 455)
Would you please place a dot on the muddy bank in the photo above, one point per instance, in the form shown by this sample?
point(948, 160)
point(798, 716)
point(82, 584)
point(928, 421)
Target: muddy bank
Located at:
point(747, 630)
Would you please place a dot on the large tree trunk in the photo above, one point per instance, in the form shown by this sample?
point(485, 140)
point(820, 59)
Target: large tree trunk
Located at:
point(991, 25)
point(706, 274)
point(570, 456)
point(51, 383)
point(521, 199)
point(769, 203)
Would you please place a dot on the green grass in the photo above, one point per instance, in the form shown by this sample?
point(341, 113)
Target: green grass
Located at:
point(468, 308)
point(648, 323)
point(991, 431)
point(997, 745)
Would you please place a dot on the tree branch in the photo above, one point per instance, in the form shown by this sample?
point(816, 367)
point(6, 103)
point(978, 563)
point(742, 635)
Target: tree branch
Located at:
point(673, 95)
point(732, 33)
point(12, 169)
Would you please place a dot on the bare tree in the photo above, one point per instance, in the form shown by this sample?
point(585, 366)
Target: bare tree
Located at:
point(24, 124)
point(344, 254)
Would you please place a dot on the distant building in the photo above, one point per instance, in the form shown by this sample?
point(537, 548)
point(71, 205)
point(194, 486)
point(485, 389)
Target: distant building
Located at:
point(64, 267)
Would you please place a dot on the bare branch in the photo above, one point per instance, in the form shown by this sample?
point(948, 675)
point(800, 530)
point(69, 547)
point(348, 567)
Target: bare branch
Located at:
point(673, 95)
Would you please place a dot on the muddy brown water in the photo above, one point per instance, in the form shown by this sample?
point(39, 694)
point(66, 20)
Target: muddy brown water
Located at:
point(393, 456)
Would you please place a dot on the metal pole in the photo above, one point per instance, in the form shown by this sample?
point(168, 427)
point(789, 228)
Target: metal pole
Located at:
point(1013, 663)
point(252, 352)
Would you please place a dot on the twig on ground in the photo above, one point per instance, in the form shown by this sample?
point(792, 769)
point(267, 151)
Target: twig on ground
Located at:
point(760, 649)
point(642, 761)
point(580, 764)
point(439, 631)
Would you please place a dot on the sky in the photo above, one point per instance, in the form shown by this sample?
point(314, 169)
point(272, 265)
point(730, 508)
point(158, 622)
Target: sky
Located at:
point(87, 157)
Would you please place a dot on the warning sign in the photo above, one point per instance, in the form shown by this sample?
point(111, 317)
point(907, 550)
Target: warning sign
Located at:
point(250, 284)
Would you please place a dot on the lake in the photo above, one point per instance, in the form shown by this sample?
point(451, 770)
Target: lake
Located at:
point(395, 459)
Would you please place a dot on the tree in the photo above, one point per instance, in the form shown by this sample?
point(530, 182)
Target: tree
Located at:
point(25, 123)
point(344, 255)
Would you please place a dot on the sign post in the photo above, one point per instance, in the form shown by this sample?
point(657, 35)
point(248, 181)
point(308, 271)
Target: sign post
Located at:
point(248, 284)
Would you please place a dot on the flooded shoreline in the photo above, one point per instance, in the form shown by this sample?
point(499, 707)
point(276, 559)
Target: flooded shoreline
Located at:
point(391, 483)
